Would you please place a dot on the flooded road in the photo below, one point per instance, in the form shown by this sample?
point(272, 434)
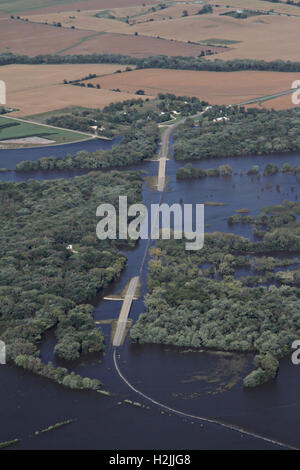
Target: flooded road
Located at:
point(195, 382)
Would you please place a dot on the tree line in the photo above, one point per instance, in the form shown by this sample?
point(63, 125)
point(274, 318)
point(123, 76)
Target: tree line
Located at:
point(156, 61)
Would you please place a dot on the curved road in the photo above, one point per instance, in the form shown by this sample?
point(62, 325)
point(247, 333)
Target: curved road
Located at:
point(217, 422)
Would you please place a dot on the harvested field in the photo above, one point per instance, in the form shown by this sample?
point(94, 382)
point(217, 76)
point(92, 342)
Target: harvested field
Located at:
point(214, 87)
point(20, 37)
point(35, 89)
point(140, 46)
point(169, 13)
point(84, 20)
point(267, 37)
point(261, 5)
point(42, 6)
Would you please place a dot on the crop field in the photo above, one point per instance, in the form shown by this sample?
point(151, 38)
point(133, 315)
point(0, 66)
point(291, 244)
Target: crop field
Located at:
point(20, 37)
point(86, 20)
point(35, 89)
point(140, 46)
point(214, 87)
point(258, 37)
point(269, 37)
point(19, 6)
point(11, 129)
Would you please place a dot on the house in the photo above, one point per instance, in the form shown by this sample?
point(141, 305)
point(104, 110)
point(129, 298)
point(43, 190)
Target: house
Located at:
point(221, 119)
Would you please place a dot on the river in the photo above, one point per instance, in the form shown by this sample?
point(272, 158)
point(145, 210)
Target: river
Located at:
point(200, 383)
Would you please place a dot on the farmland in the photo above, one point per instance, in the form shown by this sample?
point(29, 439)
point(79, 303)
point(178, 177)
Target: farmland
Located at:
point(141, 46)
point(27, 6)
point(20, 37)
point(19, 132)
point(214, 87)
point(265, 37)
point(268, 36)
point(36, 89)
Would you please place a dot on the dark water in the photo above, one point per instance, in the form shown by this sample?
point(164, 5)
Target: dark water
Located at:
point(201, 383)
point(10, 157)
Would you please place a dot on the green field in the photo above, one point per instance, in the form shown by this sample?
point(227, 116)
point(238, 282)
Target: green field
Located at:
point(15, 6)
point(14, 129)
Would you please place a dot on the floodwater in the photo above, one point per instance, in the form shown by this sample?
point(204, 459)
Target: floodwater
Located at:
point(197, 382)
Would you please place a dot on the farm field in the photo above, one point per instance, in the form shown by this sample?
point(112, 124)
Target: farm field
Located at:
point(29, 38)
point(141, 46)
point(20, 37)
point(35, 89)
point(267, 37)
point(214, 87)
point(27, 6)
point(14, 132)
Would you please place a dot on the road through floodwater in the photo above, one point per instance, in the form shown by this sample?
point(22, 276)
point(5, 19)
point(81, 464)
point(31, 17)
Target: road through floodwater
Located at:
point(199, 383)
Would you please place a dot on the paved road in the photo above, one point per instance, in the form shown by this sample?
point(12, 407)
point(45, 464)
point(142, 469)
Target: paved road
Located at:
point(122, 321)
point(164, 152)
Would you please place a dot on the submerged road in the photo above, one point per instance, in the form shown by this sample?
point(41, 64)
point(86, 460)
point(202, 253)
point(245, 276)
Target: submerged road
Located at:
point(122, 322)
point(203, 419)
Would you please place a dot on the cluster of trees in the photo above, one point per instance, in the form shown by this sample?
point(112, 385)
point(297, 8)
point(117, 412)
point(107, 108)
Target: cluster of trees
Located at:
point(270, 169)
point(121, 116)
point(205, 9)
point(155, 61)
point(186, 105)
point(288, 168)
point(137, 145)
point(194, 307)
point(288, 2)
point(237, 219)
point(244, 14)
point(243, 132)
point(189, 172)
point(77, 334)
point(43, 284)
point(60, 375)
